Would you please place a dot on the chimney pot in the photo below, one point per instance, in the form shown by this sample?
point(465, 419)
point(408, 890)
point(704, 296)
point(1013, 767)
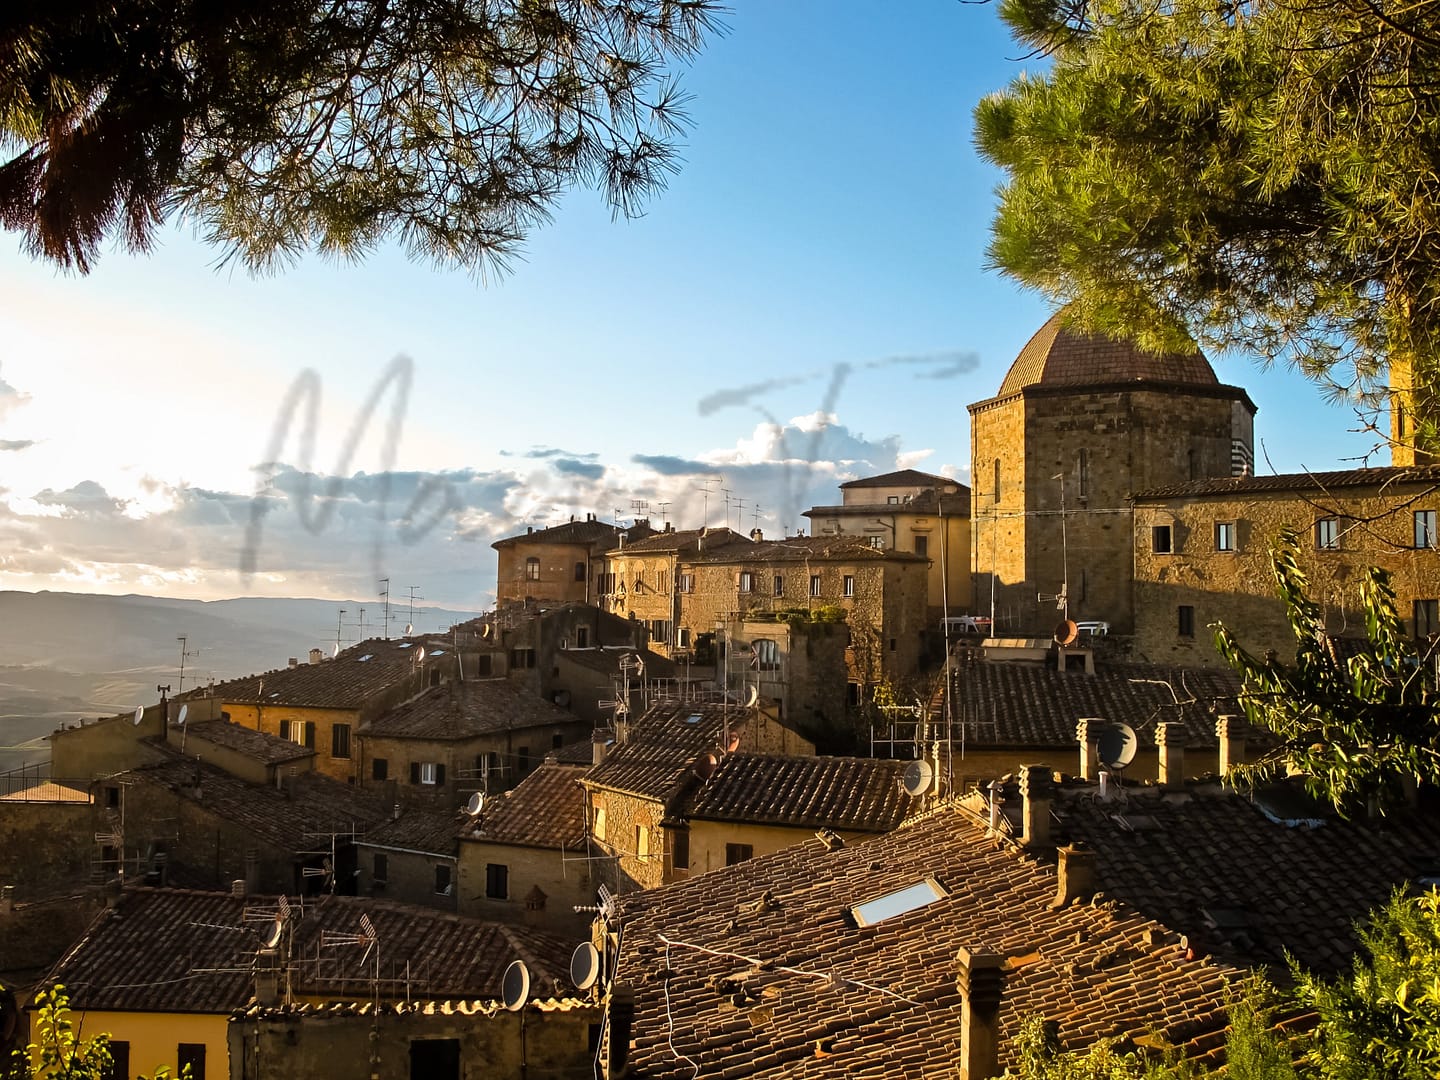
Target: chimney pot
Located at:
point(1075, 875)
point(598, 749)
point(237, 888)
point(1232, 742)
point(980, 979)
point(1087, 731)
point(294, 661)
point(1170, 741)
point(1036, 782)
point(316, 655)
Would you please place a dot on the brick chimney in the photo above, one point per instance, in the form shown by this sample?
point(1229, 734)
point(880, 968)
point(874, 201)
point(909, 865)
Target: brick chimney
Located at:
point(316, 655)
point(1075, 875)
point(980, 979)
point(1170, 741)
point(1232, 742)
point(1036, 782)
point(1087, 730)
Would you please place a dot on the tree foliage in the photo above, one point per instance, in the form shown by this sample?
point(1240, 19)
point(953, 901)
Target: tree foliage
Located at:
point(59, 1052)
point(281, 125)
point(1359, 726)
point(1265, 174)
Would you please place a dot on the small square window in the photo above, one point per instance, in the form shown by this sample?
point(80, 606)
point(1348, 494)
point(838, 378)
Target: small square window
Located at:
point(1327, 534)
point(849, 584)
point(876, 541)
point(1186, 621)
point(429, 772)
point(814, 584)
point(779, 585)
point(1160, 539)
point(1425, 529)
point(922, 546)
point(747, 581)
point(893, 500)
point(738, 853)
point(497, 881)
point(1224, 536)
point(911, 898)
point(1427, 617)
point(442, 879)
point(379, 768)
point(687, 583)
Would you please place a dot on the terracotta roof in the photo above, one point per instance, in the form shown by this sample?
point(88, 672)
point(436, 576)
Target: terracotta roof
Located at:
point(1205, 856)
point(1309, 483)
point(576, 532)
point(546, 810)
point(606, 659)
point(346, 682)
point(663, 745)
point(1025, 705)
point(464, 710)
point(1059, 356)
point(683, 540)
point(902, 478)
point(789, 971)
point(814, 792)
point(269, 749)
point(429, 831)
point(316, 803)
point(151, 952)
point(576, 753)
point(927, 502)
point(803, 548)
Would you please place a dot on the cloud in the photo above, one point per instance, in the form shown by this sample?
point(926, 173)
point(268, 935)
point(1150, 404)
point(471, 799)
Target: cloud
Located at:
point(666, 465)
point(16, 444)
point(10, 399)
point(572, 467)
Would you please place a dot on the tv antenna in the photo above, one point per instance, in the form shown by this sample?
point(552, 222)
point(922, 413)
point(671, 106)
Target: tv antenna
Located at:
point(663, 507)
point(410, 612)
point(183, 657)
point(339, 628)
point(705, 483)
point(639, 507)
point(361, 624)
point(369, 940)
point(726, 493)
point(385, 597)
point(755, 517)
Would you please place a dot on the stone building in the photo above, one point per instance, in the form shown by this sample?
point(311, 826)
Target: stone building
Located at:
point(646, 581)
point(909, 511)
point(1201, 556)
point(410, 859)
point(1079, 424)
point(562, 563)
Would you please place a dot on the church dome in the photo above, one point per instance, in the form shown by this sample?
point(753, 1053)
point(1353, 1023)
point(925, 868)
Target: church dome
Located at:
point(1059, 356)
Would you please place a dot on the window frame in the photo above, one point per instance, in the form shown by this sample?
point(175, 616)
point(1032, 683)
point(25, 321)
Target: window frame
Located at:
point(1424, 537)
point(747, 581)
point(922, 546)
point(1327, 534)
point(497, 881)
point(848, 586)
point(1185, 621)
point(1225, 536)
point(738, 853)
point(1432, 617)
point(1162, 539)
point(446, 873)
point(532, 568)
point(815, 586)
point(340, 741)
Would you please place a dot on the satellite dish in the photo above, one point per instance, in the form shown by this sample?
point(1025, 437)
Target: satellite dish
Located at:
point(420, 656)
point(409, 629)
point(752, 695)
point(184, 712)
point(705, 765)
point(1066, 632)
point(335, 650)
point(476, 804)
point(585, 966)
point(486, 631)
point(1116, 746)
point(515, 987)
point(139, 715)
point(273, 937)
point(918, 776)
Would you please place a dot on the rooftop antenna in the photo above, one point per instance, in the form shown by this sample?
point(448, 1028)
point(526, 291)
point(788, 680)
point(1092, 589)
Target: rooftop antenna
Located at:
point(739, 514)
point(183, 656)
point(755, 517)
point(663, 507)
point(726, 493)
point(339, 625)
point(361, 624)
point(367, 938)
point(385, 596)
point(705, 482)
point(639, 507)
point(410, 614)
point(1063, 600)
point(180, 722)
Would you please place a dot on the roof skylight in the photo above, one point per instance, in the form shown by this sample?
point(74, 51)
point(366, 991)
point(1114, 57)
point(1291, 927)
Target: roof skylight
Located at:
point(910, 898)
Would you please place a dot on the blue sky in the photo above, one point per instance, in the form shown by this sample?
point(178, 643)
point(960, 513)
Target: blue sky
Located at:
point(807, 302)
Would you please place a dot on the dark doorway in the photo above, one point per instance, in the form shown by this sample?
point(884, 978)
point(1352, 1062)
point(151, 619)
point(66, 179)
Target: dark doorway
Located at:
point(435, 1059)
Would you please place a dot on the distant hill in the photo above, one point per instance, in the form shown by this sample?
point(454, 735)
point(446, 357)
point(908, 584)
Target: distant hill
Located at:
point(68, 655)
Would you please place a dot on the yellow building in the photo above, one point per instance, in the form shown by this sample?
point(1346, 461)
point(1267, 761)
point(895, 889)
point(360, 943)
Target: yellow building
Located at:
point(559, 564)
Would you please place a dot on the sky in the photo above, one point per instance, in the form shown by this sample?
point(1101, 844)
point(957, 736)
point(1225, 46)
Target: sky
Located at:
point(807, 302)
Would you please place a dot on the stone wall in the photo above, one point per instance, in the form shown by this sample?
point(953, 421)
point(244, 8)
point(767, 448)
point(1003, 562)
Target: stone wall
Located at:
point(47, 847)
point(624, 813)
point(512, 756)
point(556, 581)
point(565, 882)
point(1237, 588)
point(410, 876)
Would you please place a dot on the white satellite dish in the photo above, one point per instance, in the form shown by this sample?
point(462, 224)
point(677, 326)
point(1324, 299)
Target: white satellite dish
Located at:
point(335, 650)
point(139, 715)
point(752, 695)
point(476, 804)
point(276, 929)
point(486, 631)
point(409, 629)
point(585, 966)
point(420, 656)
point(515, 986)
point(1116, 746)
point(918, 776)
point(184, 712)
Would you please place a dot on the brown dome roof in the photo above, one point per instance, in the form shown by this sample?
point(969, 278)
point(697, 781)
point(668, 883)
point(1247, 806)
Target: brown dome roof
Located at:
point(1059, 356)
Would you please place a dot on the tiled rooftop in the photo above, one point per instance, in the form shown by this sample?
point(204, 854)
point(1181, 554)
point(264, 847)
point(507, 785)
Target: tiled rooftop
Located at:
point(428, 831)
point(803, 549)
point(1023, 705)
point(159, 950)
point(268, 749)
point(1203, 856)
point(464, 710)
point(1309, 483)
point(347, 682)
point(663, 745)
point(546, 809)
point(576, 532)
point(316, 804)
point(833, 792)
point(927, 502)
point(1060, 356)
point(680, 541)
point(756, 970)
point(902, 478)
point(606, 659)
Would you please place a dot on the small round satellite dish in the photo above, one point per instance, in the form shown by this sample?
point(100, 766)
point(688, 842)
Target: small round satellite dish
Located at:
point(184, 712)
point(139, 715)
point(917, 777)
point(476, 803)
point(273, 937)
point(335, 650)
point(1066, 632)
point(705, 765)
point(1116, 746)
point(515, 987)
point(420, 655)
point(751, 697)
point(486, 631)
point(585, 966)
point(409, 629)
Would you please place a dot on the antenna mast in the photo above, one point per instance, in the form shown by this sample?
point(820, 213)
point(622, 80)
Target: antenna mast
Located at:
point(385, 596)
point(183, 655)
point(705, 482)
point(339, 626)
point(410, 614)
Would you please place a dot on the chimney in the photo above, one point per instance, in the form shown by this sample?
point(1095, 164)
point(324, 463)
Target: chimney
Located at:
point(1087, 730)
point(1036, 782)
point(1075, 875)
point(529, 529)
point(316, 655)
point(980, 979)
point(1232, 743)
point(294, 661)
point(598, 748)
point(237, 888)
point(756, 535)
point(251, 883)
point(620, 1014)
point(621, 538)
point(395, 812)
point(7, 899)
point(1170, 740)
